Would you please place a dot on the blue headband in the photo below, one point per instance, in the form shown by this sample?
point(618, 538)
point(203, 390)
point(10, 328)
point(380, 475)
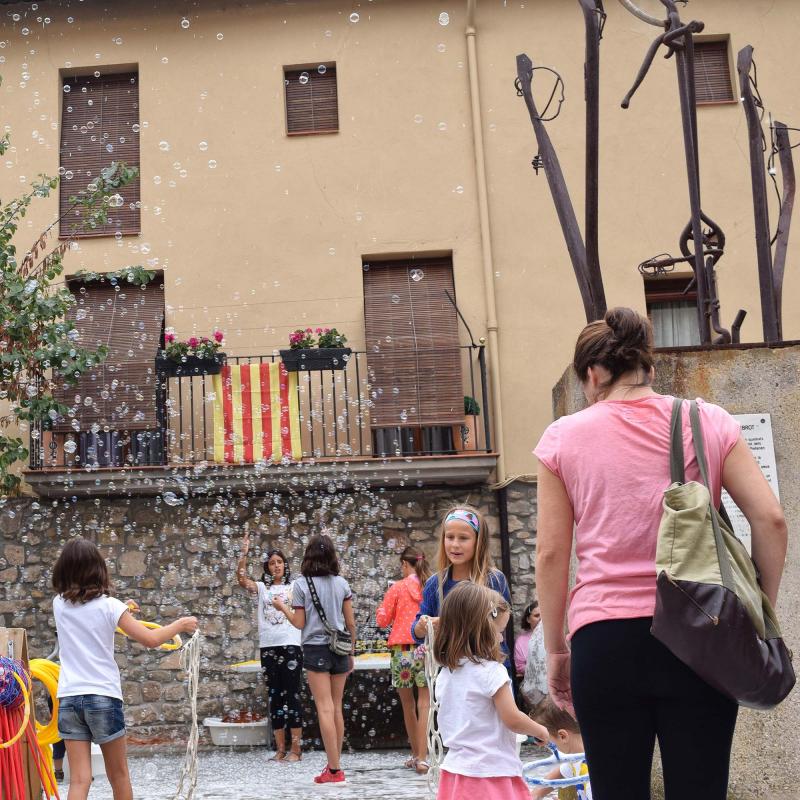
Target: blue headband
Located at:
point(465, 516)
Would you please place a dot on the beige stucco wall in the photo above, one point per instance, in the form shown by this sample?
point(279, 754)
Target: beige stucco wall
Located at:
point(274, 236)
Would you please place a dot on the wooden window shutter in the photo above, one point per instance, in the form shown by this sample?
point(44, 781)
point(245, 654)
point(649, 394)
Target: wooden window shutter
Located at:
point(413, 352)
point(128, 319)
point(712, 72)
point(99, 124)
point(311, 101)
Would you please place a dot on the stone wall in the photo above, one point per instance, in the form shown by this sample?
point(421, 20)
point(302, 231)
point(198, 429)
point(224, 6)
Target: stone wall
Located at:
point(746, 379)
point(180, 559)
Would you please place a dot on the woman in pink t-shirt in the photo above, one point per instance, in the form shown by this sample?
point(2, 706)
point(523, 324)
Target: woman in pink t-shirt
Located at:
point(602, 475)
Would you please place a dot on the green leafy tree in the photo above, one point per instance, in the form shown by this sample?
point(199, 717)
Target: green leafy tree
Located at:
point(38, 344)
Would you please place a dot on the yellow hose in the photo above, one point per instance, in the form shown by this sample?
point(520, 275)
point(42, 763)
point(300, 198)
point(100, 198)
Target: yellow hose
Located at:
point(46, 672)
point(175, 644)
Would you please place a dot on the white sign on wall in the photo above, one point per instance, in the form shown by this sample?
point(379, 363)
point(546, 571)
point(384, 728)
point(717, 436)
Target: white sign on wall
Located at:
point(757, 432)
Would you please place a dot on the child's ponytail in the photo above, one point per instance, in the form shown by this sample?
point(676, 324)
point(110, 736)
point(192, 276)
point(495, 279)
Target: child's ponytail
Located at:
point(416, 558)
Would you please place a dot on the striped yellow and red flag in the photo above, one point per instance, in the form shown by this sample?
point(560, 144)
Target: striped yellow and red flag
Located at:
point(256, 414)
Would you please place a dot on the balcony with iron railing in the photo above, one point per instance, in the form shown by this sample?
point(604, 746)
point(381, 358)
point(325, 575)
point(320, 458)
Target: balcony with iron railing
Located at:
point(397, 419)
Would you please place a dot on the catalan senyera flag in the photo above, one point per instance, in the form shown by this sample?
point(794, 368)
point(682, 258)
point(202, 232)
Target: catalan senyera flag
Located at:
point(256, 414)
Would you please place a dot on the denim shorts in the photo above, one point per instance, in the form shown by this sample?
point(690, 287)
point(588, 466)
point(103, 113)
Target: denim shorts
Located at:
point(320, 658)
point(91, 718)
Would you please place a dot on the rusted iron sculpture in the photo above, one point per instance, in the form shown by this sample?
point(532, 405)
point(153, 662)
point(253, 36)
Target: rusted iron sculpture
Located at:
point(770, 268)
point(702, 241)
point(584, 257)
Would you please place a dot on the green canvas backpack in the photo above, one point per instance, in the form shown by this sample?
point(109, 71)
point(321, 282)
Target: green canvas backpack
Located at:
point(710, 610)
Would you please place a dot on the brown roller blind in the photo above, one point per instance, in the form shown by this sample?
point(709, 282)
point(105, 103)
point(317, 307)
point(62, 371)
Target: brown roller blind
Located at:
point(311, 100)
point(413, 351)
point(712, 72)
point(120, 393)
point(99, 124)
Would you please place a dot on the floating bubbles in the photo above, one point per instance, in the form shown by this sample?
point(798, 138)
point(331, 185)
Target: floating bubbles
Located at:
point(70, 446)
point(418, 119)
point(109, 148)
point(171, 499)
point(67, 88)
point(441, 47)
point(212, 164)
point(185, 23)
point(116, 201)
point(395, 299)
point(25, 31)
point(163, 146)
point(355, 17)
point(220, 36)
point(303, 78)
point(444, 18)
point(416, 275)
point(459, 189)
point(322, 69)
point(442, 126)
point(16, 17)
point(203, 146)
point(165, 60)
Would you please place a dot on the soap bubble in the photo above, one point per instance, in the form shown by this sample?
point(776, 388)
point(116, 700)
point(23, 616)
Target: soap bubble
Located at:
point(303, 78)
point(354, 17)
point(171, 499)
point(220, 36)
point(417, 275)
point(185, 23)
point(322, 69)
point(212, 164)
point(444, 18)
point(70, 446)
point(163, 145)
point(203, 145)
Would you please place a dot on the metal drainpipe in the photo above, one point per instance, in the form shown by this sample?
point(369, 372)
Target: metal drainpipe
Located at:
point(491, 303)
point(486, 238)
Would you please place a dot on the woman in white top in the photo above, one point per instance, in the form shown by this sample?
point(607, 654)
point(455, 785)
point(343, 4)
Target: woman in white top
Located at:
point(281, 654)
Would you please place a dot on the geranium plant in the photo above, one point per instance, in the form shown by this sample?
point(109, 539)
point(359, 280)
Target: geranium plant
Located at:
point(301, 339)
point(330, 337)
point(194, 346)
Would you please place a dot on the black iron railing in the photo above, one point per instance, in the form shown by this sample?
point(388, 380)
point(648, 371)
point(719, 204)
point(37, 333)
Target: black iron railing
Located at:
point(339, 410)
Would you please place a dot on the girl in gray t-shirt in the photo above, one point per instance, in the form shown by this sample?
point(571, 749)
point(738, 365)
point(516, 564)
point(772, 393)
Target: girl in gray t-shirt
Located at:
point(326, 671)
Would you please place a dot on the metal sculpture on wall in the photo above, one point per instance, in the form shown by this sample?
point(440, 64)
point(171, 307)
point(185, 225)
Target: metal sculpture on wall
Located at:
point(770, 267)
point(702, 241)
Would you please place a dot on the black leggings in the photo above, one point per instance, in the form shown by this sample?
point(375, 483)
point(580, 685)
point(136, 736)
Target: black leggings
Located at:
point(283, 671)
point(628, 691)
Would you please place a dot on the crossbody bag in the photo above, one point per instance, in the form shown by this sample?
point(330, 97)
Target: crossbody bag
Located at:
point(339, 642)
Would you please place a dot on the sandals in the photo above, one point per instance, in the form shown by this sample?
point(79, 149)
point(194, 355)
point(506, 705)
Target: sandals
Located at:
point(422, 767)
point(410, 763)
point(280, 755)
point(292, 758)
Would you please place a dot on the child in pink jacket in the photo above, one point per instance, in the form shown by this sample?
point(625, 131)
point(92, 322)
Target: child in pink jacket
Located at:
point(399, 608)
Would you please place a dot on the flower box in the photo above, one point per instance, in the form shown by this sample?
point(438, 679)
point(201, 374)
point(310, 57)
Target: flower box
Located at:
point(315, 358)
point(190, 365)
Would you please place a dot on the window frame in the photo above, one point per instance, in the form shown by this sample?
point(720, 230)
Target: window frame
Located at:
point(295, 70)
point(724, 39)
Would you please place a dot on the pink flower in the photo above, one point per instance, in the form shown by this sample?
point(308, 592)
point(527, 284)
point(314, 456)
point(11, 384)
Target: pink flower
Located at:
point(327, 330)
point(319, 330)
point(193, 342)
point(169, 338)
point(219, 336)
point(308, 330)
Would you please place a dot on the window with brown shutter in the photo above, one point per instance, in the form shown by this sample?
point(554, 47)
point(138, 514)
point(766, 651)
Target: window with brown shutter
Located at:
point(712, 72)
point(311, 100)
point(672, 307)
point(120, 394)
point(413, 353)
point(99, 124)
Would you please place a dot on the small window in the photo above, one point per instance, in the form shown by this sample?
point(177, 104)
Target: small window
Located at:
point(99, 124)
point(712, 72)
point(312, 104)
point(672, 308)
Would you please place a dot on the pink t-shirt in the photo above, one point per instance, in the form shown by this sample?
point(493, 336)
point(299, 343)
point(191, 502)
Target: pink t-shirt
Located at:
point(613, 459)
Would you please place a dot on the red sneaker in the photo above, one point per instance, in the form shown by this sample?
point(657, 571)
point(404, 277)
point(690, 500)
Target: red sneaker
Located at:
point(326, 776)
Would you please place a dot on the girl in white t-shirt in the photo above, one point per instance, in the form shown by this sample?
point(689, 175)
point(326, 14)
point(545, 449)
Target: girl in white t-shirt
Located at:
point(478, 719)
point(281, 653)
point(89, 687)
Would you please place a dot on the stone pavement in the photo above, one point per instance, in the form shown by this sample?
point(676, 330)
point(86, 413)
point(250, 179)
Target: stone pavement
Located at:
point(247, 775)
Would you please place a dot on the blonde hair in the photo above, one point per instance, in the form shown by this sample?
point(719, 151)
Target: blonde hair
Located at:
point(465, 626)
point(481, 566)
point(553, 718)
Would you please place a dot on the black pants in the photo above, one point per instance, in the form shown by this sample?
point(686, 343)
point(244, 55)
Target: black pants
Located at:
point(283, 671)
point(628, 691)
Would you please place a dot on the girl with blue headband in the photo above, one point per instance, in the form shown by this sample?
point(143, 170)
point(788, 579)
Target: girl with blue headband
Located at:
point(463, 556)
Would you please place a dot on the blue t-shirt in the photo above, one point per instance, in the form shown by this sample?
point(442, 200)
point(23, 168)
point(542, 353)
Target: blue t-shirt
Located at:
point(430, 596)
